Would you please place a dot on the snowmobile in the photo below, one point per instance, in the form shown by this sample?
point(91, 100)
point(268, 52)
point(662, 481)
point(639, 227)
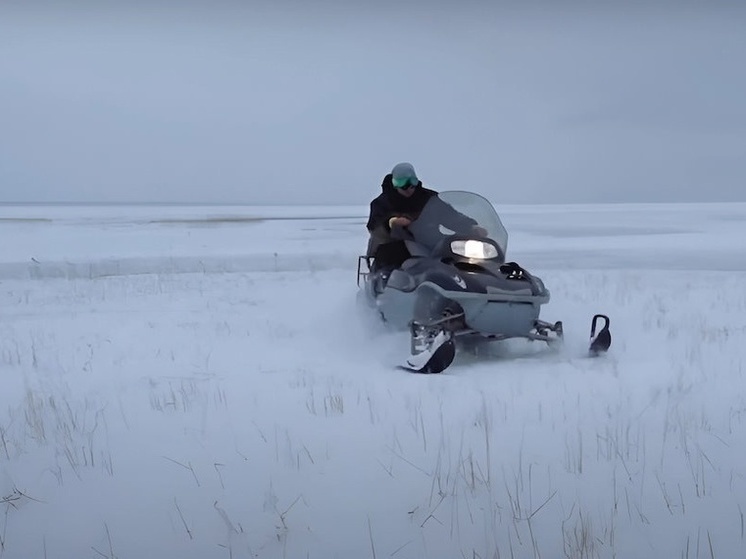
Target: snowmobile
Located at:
point(456, 283)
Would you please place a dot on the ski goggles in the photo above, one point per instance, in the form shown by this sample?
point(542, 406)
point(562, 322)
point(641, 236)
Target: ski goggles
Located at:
point(404, 182)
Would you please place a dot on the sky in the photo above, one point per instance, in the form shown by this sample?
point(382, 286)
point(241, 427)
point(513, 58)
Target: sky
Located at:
point(161, 395)
point(275, 102)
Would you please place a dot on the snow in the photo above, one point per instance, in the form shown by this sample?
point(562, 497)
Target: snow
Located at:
point(199, 382)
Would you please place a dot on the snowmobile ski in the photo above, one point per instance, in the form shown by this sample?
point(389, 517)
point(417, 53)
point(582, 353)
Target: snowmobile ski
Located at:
point(437, 354)
point(601, 341)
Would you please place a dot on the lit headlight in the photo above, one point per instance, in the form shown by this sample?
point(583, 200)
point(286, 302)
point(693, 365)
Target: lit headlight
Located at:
point(474, 249)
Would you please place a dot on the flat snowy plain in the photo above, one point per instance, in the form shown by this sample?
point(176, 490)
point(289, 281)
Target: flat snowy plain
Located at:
point(199, 382)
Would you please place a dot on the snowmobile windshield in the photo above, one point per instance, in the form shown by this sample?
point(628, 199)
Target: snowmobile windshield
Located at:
point(457, 212)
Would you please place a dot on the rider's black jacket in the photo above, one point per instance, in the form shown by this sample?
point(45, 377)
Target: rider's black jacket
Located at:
point(390, 204)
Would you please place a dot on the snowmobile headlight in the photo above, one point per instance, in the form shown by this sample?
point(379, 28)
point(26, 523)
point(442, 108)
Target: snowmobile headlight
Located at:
point(474, 249)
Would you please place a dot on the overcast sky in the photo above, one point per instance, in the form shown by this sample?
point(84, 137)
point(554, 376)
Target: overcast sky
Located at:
point(274, 102)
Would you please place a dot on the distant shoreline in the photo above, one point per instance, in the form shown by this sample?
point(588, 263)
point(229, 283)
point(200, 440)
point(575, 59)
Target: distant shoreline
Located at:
point(364, 203)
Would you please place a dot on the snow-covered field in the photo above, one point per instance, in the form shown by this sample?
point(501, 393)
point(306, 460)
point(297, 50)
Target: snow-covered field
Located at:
point(198, 382)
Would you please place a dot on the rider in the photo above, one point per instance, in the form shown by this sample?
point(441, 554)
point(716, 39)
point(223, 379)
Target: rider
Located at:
point(401, 201)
